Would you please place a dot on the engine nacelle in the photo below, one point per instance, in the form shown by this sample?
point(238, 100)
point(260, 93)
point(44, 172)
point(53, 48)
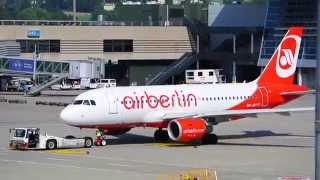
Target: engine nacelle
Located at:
point(186, 129)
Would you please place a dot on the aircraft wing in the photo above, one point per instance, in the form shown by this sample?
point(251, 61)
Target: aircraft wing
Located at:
point(242, 113)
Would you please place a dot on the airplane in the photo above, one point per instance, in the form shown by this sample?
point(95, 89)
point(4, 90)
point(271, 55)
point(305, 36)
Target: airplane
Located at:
point(187, 113)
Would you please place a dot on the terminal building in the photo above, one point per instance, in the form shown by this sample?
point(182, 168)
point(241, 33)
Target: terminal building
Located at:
point(131, 53)
point(238, 38)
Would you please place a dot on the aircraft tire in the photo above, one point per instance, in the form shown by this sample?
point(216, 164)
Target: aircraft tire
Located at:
point(157, 135)
point(161, 135)
point(164, 135)
point(210, 139)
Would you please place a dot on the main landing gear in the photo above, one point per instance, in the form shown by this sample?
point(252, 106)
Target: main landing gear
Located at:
point(161, 135)
point(210, 139)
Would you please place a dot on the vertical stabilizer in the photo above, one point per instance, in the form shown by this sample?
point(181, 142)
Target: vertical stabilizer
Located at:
point(282, 65)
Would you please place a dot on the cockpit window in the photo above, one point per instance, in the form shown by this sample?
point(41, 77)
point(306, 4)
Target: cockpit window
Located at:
point(93, 102)
point(77, 102)
point(86, 102)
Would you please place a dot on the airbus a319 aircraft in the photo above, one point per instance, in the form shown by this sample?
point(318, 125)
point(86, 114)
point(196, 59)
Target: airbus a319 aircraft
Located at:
point(188, 112)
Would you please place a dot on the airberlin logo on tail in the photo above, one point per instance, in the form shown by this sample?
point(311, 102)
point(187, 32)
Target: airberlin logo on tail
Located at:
point(287, 56)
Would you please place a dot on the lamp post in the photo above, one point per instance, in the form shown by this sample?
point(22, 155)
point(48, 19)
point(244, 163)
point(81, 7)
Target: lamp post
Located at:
point(317, 115)
point(34, 34)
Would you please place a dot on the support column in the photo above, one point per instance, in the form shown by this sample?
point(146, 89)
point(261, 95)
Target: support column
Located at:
point(252, 43)
point(172, 79)
point(234, 70)
point(74, 10)
point(35, 56)
point(234, 38)
point(299, 78)
point(167, 17)
point(198, 50)
point(317, 113)
point(234, 65)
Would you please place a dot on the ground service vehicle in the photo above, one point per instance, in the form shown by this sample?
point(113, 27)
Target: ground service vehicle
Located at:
point(106, 83)
point(204, 76)
point(30, 138)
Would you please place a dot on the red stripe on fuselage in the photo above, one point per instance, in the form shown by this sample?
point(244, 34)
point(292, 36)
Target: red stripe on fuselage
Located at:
point(269, 98)
point(158, 124)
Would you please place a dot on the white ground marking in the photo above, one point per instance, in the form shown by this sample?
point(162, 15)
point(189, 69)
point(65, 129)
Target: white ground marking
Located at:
point(71, 166)
point(109, 164)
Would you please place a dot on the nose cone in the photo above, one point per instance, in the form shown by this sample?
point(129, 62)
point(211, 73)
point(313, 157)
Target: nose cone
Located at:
point(67, 116)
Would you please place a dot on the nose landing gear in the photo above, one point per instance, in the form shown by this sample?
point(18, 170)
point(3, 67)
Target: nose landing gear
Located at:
point(100, 138)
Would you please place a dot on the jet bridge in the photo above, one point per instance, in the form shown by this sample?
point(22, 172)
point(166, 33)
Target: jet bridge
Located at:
point(37, 89)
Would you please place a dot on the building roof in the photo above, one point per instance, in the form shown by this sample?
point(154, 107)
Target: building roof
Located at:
point(235, 15)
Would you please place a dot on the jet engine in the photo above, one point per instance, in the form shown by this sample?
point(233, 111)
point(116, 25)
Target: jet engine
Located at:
point(186, 129)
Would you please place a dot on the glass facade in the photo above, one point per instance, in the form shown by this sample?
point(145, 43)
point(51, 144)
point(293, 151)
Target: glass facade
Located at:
point(283, 14)
point(118, 45)
point(44, 46)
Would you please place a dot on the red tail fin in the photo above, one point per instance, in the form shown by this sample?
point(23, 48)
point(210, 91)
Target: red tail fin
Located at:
point(282, 65)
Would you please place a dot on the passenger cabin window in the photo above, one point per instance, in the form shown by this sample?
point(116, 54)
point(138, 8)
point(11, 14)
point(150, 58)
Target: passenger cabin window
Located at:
point(210, 73)
point(93, 102)
point(86, 102)
point(199, 73)
point(77, 102)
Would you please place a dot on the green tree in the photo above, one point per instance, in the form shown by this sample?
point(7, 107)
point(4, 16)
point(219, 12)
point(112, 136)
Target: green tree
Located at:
point(33, 14)
point(98, 9)
point(52, 5)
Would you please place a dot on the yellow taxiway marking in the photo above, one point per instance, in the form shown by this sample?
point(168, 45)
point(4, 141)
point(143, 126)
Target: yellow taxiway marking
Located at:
point(164, 145)
point(190, 174)
point(68, 151)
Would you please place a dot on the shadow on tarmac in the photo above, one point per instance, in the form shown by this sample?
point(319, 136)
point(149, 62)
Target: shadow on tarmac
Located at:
point(141, 139)
point(263, 145)
point(262, 133)
point(259, 133)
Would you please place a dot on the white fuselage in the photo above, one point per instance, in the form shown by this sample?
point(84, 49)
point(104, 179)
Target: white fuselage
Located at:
point(147, 104)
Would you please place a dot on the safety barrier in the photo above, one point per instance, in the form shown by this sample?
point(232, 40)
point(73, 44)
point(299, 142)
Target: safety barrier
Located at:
point(24, 101)
point(49, 103)
point(16, 101)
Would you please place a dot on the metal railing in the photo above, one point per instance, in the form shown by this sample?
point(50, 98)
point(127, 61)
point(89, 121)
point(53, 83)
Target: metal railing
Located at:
point(173, 22)
point(175, 68)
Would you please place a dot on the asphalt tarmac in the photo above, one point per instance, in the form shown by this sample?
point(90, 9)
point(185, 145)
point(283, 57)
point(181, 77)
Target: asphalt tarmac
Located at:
point(267, 147)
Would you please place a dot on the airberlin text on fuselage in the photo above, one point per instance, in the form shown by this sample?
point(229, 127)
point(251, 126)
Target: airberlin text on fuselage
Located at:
point(148, 100)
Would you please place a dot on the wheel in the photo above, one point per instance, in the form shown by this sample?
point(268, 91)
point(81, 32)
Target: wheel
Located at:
point(88, 142)
point(161, 135)
point(157, 135)
point(164, 135)
point(103, 142)
point(51, 144)
point(210, 139)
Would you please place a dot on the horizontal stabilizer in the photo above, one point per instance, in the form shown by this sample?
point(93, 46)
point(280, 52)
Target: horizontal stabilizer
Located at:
point(294, 93)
